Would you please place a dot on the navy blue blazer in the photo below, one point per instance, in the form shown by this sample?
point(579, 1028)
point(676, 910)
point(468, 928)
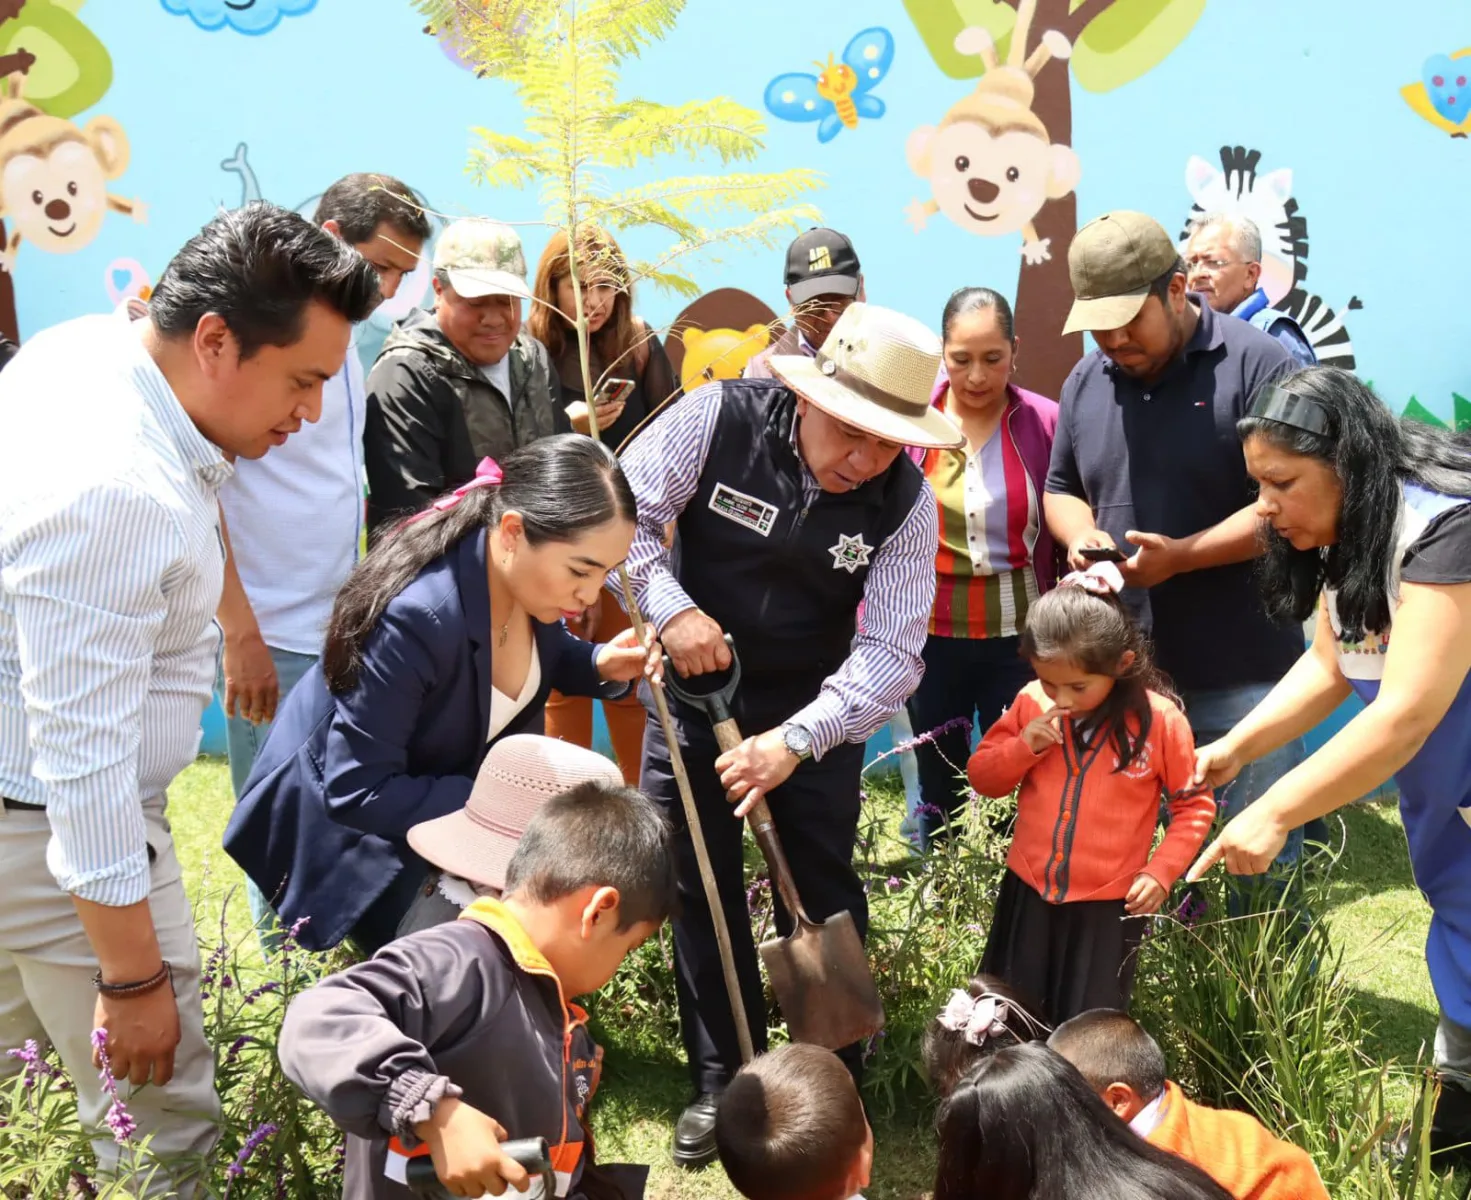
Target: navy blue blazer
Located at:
point(322, 822)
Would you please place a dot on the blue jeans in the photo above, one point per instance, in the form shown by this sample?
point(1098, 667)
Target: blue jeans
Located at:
point(1214, 713)
point(243, 741)
point(974, 678)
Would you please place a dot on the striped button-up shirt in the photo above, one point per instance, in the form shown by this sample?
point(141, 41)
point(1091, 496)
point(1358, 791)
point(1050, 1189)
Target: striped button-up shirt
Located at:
point(663, 465)
point(111, 567)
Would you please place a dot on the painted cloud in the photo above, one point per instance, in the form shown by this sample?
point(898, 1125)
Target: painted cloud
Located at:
point(243, 16)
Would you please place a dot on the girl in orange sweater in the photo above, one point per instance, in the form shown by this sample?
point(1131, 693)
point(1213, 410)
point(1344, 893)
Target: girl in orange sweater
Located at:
point(1094, 744)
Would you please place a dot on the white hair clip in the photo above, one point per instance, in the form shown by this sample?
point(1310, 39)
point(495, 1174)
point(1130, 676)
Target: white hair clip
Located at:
point(976, 1018)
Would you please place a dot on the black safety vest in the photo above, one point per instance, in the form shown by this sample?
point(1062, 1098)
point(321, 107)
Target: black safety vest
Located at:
point(783, 576)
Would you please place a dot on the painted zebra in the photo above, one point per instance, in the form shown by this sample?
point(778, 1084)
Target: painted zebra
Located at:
point(1237, 188)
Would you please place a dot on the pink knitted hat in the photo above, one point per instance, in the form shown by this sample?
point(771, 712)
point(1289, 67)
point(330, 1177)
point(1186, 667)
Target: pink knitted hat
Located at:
point(520, 774)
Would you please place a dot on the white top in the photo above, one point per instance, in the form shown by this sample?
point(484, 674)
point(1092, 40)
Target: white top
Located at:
point(296, 517)
point(111, 567)
point(498, 375)
point(1148, 1118)
point(503, 708)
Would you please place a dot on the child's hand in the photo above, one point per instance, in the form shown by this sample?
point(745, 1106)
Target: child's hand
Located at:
point(1146, 894)
point(1045, 731)
point(465, 1146)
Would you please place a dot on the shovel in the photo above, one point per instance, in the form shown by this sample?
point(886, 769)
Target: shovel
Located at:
point(531, 1153)
point(820, 973)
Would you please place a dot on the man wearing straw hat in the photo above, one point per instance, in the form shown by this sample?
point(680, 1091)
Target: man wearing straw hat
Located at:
point(794, 504)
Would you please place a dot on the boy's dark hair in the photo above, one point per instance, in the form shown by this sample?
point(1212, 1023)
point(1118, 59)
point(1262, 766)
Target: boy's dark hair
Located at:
point(1108, 1046)
point(1095, 632)
point(790, 1126)
point(947, 1054)
point(360, 202)
point(599, 836)
point(259, 267)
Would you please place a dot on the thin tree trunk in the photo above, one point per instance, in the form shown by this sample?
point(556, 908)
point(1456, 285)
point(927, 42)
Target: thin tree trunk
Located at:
point(1043, 292)
point(9, 323)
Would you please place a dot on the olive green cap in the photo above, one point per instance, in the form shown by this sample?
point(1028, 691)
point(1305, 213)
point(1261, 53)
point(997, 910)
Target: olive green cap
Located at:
point(1112, 261)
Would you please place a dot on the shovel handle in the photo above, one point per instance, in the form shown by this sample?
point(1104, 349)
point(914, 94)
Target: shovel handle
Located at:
point(763, 829)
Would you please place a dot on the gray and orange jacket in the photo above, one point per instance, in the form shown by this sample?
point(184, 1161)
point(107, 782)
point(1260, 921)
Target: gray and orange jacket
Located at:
point(469, 1009)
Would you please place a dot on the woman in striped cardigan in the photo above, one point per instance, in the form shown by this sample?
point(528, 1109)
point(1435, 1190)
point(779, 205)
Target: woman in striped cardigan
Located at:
point(995, 556)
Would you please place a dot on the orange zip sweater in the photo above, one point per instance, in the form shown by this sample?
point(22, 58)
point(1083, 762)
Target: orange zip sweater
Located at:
point(1083, 830)
point(1236, 1150)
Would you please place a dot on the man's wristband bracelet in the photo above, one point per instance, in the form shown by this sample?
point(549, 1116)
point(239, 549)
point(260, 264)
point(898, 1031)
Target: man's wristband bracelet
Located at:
point(164, 975)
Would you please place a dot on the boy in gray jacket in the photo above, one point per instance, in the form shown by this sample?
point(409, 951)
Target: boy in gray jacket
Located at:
point(459, 1037)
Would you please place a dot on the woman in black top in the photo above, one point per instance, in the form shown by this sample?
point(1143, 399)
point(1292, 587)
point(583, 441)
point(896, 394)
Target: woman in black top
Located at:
point(621, 347)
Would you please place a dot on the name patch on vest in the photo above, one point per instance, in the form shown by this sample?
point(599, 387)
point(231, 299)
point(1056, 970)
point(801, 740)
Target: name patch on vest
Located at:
point(850, 553)
point(744, 510)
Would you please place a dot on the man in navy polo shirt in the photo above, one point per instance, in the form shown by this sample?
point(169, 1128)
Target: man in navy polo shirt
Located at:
point(1147, 454)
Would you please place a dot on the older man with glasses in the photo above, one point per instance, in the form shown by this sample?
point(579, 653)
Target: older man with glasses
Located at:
point(1224, 259)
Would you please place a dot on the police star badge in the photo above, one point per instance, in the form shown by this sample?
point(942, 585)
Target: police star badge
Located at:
point(850, 553)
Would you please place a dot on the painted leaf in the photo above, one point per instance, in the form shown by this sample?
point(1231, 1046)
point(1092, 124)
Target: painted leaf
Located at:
point(1130, 38)
point(938, 21)
point(73, 69)
point(1462, 411)
point(1416, 411)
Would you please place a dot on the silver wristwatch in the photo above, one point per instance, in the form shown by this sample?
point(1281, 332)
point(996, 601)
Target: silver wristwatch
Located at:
point(797, 740)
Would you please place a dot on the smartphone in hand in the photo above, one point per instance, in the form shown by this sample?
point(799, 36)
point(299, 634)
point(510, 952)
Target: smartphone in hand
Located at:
point(613, 391)
point(1103, 554)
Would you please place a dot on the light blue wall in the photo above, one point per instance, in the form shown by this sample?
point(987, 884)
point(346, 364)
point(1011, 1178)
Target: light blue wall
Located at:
point(355, 85)
point(352, 85)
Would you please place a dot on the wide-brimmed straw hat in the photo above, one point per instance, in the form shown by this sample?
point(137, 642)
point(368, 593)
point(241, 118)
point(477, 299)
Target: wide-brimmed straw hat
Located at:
point(876, 371)
point(520, 774)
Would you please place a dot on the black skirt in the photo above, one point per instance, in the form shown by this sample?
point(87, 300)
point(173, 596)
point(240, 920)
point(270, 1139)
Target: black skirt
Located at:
point(1069, 957)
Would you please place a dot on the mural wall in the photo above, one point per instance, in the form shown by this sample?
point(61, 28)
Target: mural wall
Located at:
point(963, 142)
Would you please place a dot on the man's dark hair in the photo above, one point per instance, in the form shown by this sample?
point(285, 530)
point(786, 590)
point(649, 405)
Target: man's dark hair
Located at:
point(1108, 1046)
point(361, 202)
point(791, 1126)
point(259, 267)
point(1161, 286)
point(599, 836)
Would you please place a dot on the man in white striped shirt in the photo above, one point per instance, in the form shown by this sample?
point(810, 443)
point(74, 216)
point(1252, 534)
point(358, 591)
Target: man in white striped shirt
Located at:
point(118, 434)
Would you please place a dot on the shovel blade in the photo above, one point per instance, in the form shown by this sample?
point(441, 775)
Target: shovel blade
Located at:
point(823, 982)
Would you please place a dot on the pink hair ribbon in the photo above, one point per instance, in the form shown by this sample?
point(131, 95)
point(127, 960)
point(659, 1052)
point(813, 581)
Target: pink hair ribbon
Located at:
point(1102, 579)
point(487, 474)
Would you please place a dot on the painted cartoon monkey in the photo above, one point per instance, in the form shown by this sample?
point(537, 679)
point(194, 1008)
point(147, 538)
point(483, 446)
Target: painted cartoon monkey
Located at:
point(54, 175)
point(990, 164)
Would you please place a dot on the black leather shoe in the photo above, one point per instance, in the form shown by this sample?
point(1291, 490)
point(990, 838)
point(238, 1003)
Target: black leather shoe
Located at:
point(694, 1135)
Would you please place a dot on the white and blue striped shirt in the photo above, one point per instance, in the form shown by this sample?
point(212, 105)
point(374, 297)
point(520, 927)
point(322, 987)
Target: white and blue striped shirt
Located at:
point(111, 567)
point(663, 465)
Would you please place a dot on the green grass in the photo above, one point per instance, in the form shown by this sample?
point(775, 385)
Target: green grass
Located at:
point(1375, 912)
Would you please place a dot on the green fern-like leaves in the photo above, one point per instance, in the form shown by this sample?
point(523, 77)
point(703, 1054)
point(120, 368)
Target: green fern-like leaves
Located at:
point(563, 60)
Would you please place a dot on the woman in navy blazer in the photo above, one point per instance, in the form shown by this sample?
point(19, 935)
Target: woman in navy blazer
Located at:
point(447, 637)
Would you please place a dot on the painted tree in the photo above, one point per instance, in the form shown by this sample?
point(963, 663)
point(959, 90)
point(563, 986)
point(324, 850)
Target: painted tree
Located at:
point(582, 142)
point(1113, 43)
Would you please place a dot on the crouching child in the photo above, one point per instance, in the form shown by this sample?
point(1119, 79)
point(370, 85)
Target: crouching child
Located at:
point(456, 1038)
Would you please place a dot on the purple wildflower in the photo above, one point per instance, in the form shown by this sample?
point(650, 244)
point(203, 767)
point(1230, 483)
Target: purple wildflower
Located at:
point(118, 1119)
point(256, 993)
point(894, 884)
point(236, 1046)
point(252, 1144)
point(1192, 908)
point(925, 739)
point(35, 1062)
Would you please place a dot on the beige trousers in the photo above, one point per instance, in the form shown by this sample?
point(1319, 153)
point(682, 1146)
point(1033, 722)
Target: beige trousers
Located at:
point(46, 993)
